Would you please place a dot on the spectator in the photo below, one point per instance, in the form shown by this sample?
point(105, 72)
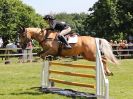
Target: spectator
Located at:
point(125, 47)
point(29, 45)
point(130, 47)
point(120, 47)
point(19, 52)
point(111, 42)
point(130, 37)
point(1, 42)
point(115, 47)
point(29, 52)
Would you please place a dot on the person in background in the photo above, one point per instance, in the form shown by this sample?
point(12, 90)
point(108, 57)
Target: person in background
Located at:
point(125, 47)
point(111, 42)
point(29, 45)
point(115, 47)
point(120, 47)
point(1, 42)
point(20, 51)
point(130, 47)
point(29, 52)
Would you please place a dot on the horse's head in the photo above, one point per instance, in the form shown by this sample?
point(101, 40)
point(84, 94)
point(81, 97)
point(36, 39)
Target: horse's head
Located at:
point(25, 37)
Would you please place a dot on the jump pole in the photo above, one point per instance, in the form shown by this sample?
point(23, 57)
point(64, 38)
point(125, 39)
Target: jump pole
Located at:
point(102, 83)
point(46, 71)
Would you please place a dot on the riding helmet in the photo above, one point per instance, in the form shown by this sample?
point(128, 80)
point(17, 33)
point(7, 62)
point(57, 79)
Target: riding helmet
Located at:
point(49, 17)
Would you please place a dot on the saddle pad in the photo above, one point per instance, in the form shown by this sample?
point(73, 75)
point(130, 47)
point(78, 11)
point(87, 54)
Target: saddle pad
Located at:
point(73, 39)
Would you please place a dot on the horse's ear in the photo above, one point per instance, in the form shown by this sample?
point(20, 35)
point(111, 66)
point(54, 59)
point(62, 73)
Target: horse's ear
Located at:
point(42, 29)
point(21, 30)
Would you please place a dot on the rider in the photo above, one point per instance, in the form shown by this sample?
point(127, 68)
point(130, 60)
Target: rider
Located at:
point(62, 27)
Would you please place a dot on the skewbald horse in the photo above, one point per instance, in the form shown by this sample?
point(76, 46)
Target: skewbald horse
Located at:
point(85, 46)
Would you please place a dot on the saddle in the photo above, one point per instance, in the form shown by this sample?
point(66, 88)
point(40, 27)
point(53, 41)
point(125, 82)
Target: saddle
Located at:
point(72, 37)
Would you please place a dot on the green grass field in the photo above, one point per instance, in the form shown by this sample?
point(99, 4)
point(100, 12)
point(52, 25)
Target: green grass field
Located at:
point(19, 81)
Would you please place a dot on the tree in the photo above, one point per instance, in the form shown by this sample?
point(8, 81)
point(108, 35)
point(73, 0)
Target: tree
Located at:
point(102, 21)
point(75, 20)
point(111, 19)
point(13, 14)
point(125, 13)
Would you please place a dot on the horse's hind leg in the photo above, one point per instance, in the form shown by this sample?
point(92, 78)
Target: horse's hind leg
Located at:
point(91, 57)
point(106, 69)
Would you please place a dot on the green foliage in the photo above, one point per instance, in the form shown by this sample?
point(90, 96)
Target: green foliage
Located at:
point(103, 19)
point(74, 20)
point(13, 14)
point(125, 15)
point(111, 19)
point(20, 81)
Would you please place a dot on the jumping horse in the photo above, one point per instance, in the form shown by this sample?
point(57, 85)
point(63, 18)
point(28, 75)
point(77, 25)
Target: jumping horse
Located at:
point(85, 46)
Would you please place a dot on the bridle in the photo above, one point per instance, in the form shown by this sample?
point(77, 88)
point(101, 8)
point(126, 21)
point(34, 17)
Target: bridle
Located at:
point(46, 38)
point(25, 41)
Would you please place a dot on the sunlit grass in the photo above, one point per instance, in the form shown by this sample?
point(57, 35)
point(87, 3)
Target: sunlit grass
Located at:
point(19, 81)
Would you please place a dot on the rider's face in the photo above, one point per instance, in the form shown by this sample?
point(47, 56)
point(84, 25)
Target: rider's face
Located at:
point(48, 21)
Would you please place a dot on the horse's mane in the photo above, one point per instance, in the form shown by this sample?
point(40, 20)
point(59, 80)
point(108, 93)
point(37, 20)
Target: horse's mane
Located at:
point(37, 30)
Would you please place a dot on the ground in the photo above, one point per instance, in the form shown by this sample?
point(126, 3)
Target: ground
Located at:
point(20, 80)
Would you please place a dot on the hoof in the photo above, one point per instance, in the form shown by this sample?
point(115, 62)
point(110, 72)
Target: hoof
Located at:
point(109, 74)
point(7, 62)
point(42, 57)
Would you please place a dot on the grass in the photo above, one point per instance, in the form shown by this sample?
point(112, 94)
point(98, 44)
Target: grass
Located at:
point(121, 83)
point(19, 81)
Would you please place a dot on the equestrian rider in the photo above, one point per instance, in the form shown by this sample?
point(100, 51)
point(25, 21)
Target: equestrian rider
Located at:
point(62, 27)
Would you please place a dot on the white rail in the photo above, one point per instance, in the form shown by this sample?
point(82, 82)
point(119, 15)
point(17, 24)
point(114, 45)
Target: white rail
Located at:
point(102, 83)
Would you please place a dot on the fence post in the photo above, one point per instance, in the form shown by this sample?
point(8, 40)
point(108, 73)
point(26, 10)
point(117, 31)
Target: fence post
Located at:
point(102, 83)
point(29, 55)
point(97, 70)
point(45, 74)
point(106, 89)
point(24, 55)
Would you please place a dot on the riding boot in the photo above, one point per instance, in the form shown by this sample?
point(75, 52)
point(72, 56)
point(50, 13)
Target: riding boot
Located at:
point(63, 39)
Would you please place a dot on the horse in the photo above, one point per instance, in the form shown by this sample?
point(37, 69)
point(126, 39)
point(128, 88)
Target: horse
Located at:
point(85, 46)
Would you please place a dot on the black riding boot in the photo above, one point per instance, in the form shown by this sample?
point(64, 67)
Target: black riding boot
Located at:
point(62, 39)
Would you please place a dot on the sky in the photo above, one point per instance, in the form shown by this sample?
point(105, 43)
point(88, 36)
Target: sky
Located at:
point(44, 7)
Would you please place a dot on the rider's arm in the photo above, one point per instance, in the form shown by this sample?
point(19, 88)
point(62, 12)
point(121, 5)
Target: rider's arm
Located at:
point(60, 26)
point(50, 29)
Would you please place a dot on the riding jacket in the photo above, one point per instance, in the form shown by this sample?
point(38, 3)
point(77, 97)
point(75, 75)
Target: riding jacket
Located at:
point(59, 26)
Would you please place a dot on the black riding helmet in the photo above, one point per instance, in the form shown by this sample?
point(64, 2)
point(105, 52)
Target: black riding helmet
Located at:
point(49, 17)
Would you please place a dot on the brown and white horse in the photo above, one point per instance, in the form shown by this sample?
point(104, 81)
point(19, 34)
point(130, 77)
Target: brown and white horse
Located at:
point(85, 46)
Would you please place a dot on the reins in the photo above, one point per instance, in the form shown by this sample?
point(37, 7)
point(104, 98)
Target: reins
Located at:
point(46, 38)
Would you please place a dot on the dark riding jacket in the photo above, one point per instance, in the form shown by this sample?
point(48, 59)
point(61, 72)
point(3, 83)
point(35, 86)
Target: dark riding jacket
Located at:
point(59, 26)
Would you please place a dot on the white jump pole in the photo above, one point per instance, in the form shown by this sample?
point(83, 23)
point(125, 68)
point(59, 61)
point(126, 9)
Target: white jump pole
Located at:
point(45, 74)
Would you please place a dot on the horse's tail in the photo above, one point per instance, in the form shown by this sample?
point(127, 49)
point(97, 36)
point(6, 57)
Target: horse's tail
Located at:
point(106, 48)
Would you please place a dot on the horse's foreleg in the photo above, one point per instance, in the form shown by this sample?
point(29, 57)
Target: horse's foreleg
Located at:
point(106, 69)
point(39, 53)
point(46, 53)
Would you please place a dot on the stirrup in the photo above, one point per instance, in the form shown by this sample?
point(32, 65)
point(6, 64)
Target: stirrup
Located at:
point(67, 47)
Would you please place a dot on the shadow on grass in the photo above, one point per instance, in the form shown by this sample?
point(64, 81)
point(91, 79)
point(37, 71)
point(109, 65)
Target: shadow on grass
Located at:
point(30, 91)
point(36, 91)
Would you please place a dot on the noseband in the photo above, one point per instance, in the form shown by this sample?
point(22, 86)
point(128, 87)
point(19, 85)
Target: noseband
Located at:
point(26, 42)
